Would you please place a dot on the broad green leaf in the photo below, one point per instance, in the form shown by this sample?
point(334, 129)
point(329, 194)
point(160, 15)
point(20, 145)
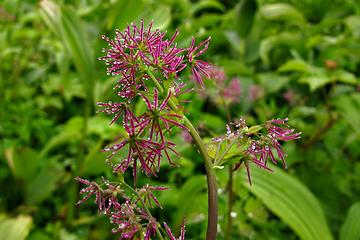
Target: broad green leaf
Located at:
point(289, 199)
point(161, 16)
point(344, 76)
point(194, 186)
point(124, 12)
point(204, 4)
point(213, 121)
point(282, 12)
point(43, 184)
point(285, 39)
point(16, 228)
point(315, 82)
point(296, 65)
point(23, 162)
point(94, 162)
point(350, 229)
point(273, 82)
point(244, 16)
point(353, 23)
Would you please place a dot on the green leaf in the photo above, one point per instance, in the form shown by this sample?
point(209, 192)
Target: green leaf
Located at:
point(295, 65)
point(244, 16)
point(315, 82)
point(286, 39)
point(16, 228)
point(273, 82)
point(282, 12)
point(350, 229)
point(204, 4)
point(69, 28)
point(353, 23)
point(289, 199)
point(43, 184)
point(123, 12)
point(192, 187)
point(161, 16)
point(254, 129)
point(23, 162)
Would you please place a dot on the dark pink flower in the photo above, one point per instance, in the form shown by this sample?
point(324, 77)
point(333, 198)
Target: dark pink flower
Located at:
point(127, 220)
point(111, 108)
point(146, 192)
point(217, 74)
point(159, 118)
point(199, 68)
point(172, 236)
point(232, 92)
point(105, 198)
point(279, 129)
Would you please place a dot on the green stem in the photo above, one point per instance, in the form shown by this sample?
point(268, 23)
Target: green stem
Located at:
point(229, 185)
point(230, 201)
point(145, 207)
point(74, 187)
point(210, 172)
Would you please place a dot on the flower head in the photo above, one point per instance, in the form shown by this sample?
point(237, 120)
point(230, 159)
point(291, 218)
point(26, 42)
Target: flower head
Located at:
point(199, 68)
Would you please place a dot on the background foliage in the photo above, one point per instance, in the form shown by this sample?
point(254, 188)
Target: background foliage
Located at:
point(294, 58)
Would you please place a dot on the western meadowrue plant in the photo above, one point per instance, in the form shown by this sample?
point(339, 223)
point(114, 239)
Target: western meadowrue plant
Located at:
point(148, 66)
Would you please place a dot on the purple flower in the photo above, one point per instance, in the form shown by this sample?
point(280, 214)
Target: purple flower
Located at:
point(126, 219)
point(232, 92)
point(217, 74)
point(158, 117)
point(110, 108)
point(105, 198)
point(279, 129)
point(146, 192)
point(172, 236)
point(199, 68)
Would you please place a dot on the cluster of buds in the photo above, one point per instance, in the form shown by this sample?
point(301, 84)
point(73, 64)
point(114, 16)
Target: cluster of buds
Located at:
point(257, 144)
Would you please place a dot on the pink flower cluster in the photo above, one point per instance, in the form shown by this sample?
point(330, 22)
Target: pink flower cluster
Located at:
point(131, 55)
point(138, 49)
point(126, 211)
point(262, 145)
point(229, 91)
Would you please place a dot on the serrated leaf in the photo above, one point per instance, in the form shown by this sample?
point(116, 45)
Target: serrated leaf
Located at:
point(289, 199)
point(350, 229)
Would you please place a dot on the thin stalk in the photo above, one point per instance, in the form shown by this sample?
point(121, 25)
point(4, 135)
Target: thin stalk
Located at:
point(230, 187)
point(145, 207)
point(210, 172)
point(74, 188)
point(230, 201)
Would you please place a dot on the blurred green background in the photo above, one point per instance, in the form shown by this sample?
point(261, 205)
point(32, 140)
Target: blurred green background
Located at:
point(296, 58)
